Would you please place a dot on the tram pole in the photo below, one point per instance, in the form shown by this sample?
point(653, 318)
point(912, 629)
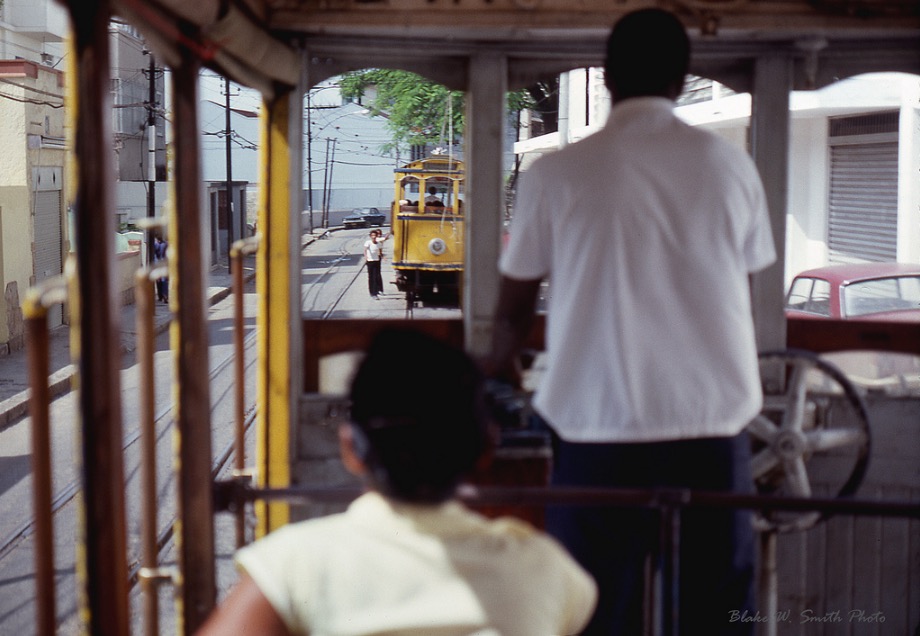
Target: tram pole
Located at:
point(189, 334)
point(102, 560)
point(36, 314)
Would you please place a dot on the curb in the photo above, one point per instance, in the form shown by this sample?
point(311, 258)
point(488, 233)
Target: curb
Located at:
point(13, 408)
point(61, 381)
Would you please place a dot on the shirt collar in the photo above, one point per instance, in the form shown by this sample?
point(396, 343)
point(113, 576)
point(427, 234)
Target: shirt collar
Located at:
point(450, 517)
point(633, 107)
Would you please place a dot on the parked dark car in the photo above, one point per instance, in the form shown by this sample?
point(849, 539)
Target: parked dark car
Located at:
point(864, 291)
point(364, 217)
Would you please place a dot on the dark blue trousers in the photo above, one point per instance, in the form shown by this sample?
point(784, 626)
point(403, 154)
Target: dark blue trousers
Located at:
point(374, 278)
point(612, 543)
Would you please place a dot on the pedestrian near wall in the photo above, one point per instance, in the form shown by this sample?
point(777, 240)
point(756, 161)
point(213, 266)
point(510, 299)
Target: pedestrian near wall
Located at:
point(159, 255)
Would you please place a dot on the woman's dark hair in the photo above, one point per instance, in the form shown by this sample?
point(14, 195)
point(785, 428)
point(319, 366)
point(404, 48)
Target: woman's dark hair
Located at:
point(648, 53)
point(418, 415)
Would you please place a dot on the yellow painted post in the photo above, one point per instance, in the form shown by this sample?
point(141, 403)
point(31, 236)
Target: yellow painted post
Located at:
point(278, 287)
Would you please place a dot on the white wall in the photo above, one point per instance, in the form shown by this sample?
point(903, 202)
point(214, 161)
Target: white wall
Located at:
point(909, 183)
point(806, 237)
point(806, 221)
point(30, 28)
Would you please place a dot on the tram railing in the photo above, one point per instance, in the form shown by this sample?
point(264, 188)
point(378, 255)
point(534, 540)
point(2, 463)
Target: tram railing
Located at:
point(238, 251)
point(329, 338)
point(670, 504)
point(150, 574)
point(38, 301)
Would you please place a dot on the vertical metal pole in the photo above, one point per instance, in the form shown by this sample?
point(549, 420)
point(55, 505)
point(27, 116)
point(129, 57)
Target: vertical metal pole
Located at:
point(768, 581)
point(310, 159)
point(143, 295)
point(195, 525)
point(280, 372)
point(485, 120)
point(239, 444)
point(331, 171)
point(37, 333)
point(101, 563)
point(228, 142)
point(324, 218)
point(151, 152)
point(669, 549)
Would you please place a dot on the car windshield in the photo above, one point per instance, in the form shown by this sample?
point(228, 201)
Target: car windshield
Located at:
point(881, 295)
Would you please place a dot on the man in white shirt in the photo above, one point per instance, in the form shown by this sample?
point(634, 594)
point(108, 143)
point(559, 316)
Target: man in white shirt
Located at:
point(373, 256)
point(648, 231)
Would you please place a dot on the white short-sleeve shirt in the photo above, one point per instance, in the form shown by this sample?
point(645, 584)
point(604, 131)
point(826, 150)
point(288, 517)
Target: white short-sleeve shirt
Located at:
point(373, 249)
point(647, 230)
point(387, 568)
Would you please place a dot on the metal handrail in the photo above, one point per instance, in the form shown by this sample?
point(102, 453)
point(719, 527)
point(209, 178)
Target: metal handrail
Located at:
point(150, 575)
point(670, 504)
point(583, 496)
point(37, 302)
point(238, 250)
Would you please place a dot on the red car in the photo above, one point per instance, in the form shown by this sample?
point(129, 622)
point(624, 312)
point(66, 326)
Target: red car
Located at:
point(864, 291)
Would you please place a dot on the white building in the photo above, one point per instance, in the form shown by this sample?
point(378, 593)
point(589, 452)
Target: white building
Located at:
point(854, 194)
point(345, 164)
point(32, 190)
point(138, 126)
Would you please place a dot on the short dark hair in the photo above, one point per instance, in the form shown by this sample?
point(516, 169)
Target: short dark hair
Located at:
point(648, 53)
point(418, 415)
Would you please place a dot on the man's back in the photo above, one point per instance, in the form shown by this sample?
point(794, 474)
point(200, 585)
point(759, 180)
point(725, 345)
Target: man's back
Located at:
point(650, 228)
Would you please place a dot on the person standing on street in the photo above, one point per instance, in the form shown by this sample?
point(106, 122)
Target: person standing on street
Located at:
point(159, 254)
point(648, 231)
point(373, 256)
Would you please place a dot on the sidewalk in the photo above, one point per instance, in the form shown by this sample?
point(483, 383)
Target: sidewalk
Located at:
point(14, 371)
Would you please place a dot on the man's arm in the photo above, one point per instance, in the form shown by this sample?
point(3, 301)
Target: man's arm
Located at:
point(514, 318)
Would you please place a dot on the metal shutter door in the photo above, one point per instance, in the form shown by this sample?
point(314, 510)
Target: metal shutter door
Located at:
point(46, 251)
point(863, 220)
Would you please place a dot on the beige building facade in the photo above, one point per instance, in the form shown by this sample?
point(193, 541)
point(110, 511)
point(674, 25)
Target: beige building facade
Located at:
point(32, 210)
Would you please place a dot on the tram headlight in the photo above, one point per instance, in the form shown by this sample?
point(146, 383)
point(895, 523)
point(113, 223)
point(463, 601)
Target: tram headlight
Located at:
point(437, 246)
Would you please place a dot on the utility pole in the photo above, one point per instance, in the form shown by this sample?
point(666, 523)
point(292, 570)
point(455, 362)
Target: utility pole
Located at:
point(229, 206)
point(151, 151)
point(310, 160)
point(325, 184)
point(327, 180)
point(331, 166)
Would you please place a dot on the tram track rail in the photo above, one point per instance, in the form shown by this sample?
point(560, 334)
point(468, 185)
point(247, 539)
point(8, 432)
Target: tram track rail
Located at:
point(310, 292)
point(166, 534)
point(69, 492)
point(341, 294)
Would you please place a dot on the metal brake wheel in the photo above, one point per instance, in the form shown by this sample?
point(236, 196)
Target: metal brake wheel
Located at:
point(813, 424)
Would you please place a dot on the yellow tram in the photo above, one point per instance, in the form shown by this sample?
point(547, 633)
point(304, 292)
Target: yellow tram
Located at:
point(428, 229)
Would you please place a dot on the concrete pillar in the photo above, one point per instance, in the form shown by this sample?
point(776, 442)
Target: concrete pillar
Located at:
point(485, 194)
point(770, 149)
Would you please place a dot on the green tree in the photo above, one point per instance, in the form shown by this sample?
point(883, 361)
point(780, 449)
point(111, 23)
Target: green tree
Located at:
point(418, 111)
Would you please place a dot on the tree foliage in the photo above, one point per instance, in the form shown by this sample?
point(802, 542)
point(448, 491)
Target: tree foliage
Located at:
point(418, 111)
